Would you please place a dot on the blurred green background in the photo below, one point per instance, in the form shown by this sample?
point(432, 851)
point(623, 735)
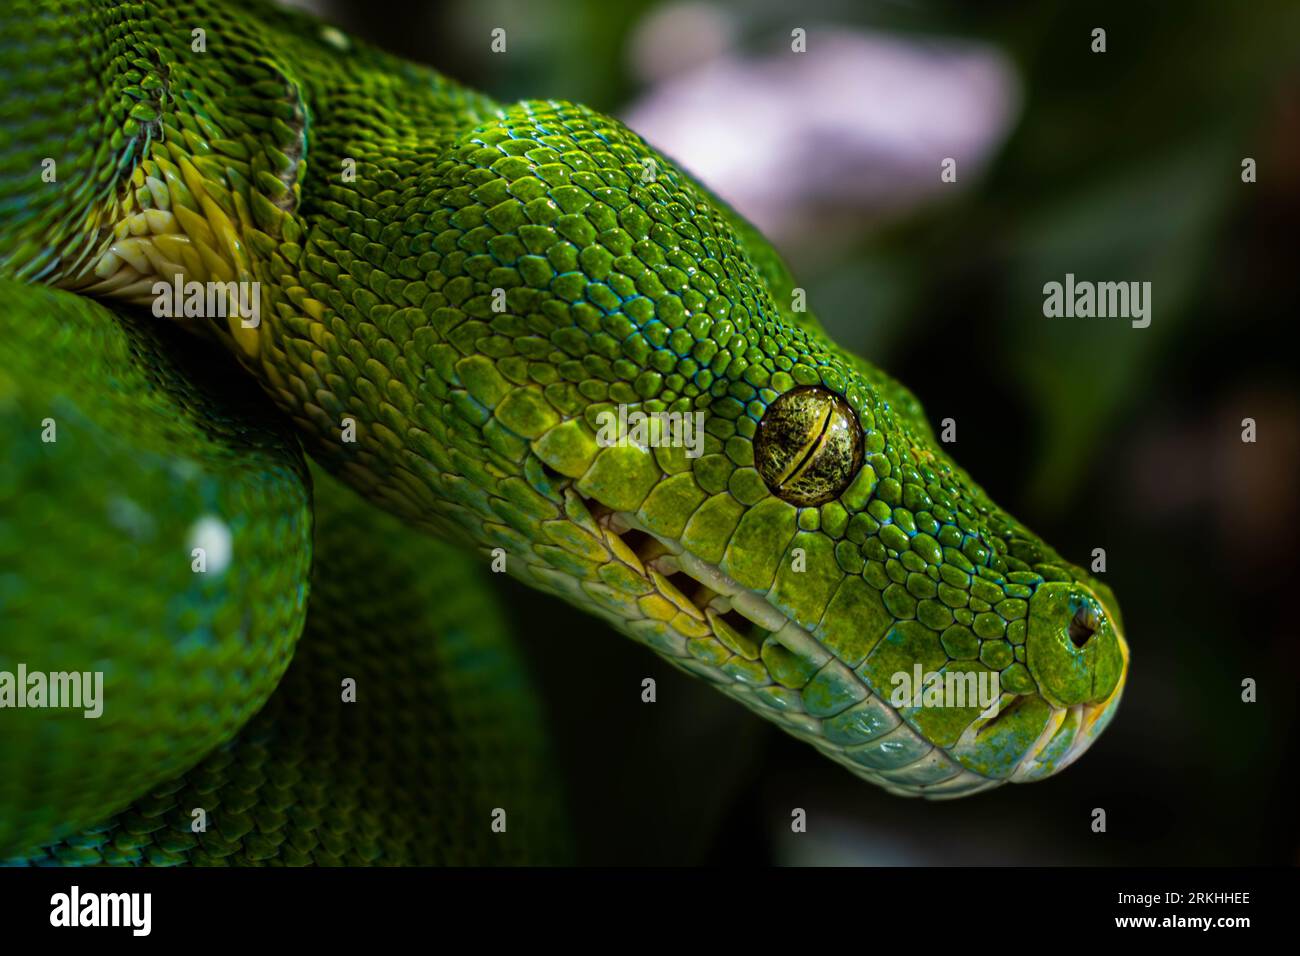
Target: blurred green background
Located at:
point(1114, 166)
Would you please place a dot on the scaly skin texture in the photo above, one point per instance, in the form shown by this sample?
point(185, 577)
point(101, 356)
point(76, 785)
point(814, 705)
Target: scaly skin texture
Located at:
point(118, 461)
point(445, 730)
point(454, 290)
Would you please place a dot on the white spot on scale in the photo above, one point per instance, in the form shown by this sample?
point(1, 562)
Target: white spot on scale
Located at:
point(335, 38)
point(212, 535)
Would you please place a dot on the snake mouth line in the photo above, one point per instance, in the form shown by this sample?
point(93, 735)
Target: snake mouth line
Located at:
point(739, 618)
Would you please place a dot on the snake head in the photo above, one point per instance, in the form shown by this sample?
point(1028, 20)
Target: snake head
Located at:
point(943, 647)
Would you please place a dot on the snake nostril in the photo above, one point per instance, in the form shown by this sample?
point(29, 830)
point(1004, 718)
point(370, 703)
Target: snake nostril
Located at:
point(1081, 628)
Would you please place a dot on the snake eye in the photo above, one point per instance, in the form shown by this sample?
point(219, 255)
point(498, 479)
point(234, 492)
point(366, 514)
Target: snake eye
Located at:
point(808, 446)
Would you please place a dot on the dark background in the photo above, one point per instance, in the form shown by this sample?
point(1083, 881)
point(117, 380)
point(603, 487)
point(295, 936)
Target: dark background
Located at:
point(1117, 166)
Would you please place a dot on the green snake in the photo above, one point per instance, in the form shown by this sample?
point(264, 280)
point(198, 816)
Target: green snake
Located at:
point(455, 297)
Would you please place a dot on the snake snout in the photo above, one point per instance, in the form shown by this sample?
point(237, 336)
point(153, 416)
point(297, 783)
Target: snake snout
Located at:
point(1079, 658)
point(1073, 645)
